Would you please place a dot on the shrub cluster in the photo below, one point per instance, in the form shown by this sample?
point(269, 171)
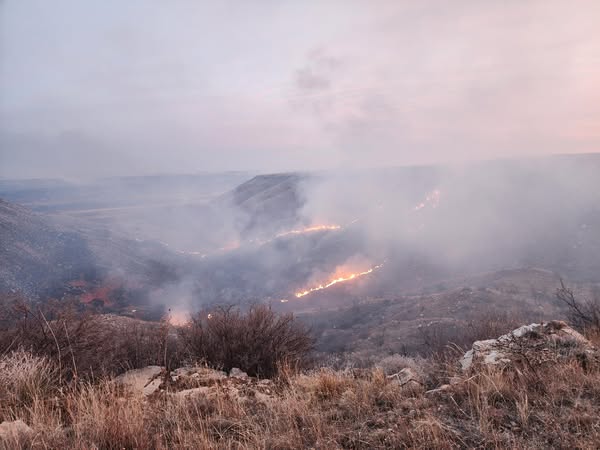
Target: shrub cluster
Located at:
point(81, 344)
point(259, 341)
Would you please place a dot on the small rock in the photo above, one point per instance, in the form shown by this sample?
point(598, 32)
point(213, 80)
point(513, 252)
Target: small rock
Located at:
point(15, 431)
point(152, 387)
point(237, 373)
point(406, 376)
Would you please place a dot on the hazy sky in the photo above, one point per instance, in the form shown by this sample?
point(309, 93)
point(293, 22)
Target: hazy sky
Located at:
point(126, 87)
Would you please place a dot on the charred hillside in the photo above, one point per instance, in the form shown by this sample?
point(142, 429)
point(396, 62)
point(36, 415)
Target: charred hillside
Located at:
point(275, 236)
point(267, 203)
point(36, 257)
point(44, 256)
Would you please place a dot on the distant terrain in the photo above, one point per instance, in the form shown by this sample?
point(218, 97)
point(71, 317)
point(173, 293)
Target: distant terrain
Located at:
point(439, 246)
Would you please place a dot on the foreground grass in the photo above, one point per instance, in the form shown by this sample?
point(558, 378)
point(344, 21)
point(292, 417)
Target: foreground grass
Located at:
point(554, 406)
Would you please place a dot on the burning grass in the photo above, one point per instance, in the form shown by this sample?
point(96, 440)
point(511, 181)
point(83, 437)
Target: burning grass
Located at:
point(338, 279)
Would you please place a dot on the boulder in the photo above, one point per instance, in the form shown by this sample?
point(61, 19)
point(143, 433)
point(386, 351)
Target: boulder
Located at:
point(145, 381)
point(15, 432)
point(535, 343)
point(200, 382)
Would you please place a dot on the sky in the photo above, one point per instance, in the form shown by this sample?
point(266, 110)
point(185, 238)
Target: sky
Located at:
point(93, 89)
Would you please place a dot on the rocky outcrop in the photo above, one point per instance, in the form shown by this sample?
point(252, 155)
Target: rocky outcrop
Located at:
point(196, 382)
point(532, 345)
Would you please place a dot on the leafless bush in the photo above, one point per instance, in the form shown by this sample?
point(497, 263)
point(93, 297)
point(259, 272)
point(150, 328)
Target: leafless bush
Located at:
point(81, 344)
point(584, 314)
point(257, 341)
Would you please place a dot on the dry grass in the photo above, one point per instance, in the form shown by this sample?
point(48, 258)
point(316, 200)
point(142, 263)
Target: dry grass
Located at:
point(550, 403)
point(24, 378)
point(320, 409)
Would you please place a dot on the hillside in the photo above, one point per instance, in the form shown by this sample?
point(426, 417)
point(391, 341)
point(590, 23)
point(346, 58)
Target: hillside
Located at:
point(428, 231)
point(454, 313)
point(266, 204)
point(44, 256)
point(36, 256)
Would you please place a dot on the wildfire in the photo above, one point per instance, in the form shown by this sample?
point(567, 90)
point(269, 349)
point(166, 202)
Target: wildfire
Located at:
point(341, 279)
point(179, 317)
point(310, 230)
point(306, 230)
point(432, 199)
point(234, 245)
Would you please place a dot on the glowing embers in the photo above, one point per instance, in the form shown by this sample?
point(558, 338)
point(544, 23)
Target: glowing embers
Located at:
point(340, 279)
point(310, 230)
point(178, 317)
point(432, 200)
point(307, 230)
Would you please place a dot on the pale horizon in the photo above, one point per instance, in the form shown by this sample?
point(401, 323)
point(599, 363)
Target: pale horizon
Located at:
point(111, 89)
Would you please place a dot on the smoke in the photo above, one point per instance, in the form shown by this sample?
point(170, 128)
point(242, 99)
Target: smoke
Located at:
point(470, 218)
point(193, 88)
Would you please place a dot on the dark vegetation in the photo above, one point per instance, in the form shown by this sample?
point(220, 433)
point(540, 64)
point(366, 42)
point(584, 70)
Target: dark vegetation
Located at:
point(534, 403)
point(583, 313)
point(87, 345)
point(81, 343)
point(259, 341)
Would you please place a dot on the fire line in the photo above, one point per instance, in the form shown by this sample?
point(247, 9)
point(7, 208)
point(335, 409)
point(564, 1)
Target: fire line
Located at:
point(352, 276)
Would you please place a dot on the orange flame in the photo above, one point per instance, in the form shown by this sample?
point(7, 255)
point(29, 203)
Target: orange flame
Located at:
point(310, 230)
point(234, 245)
point(352, 276)
point(179, 317)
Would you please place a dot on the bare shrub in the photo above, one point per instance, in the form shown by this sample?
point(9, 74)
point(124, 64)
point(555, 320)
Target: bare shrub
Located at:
point(81, 344)
point(584, 314)
point(257, 341)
